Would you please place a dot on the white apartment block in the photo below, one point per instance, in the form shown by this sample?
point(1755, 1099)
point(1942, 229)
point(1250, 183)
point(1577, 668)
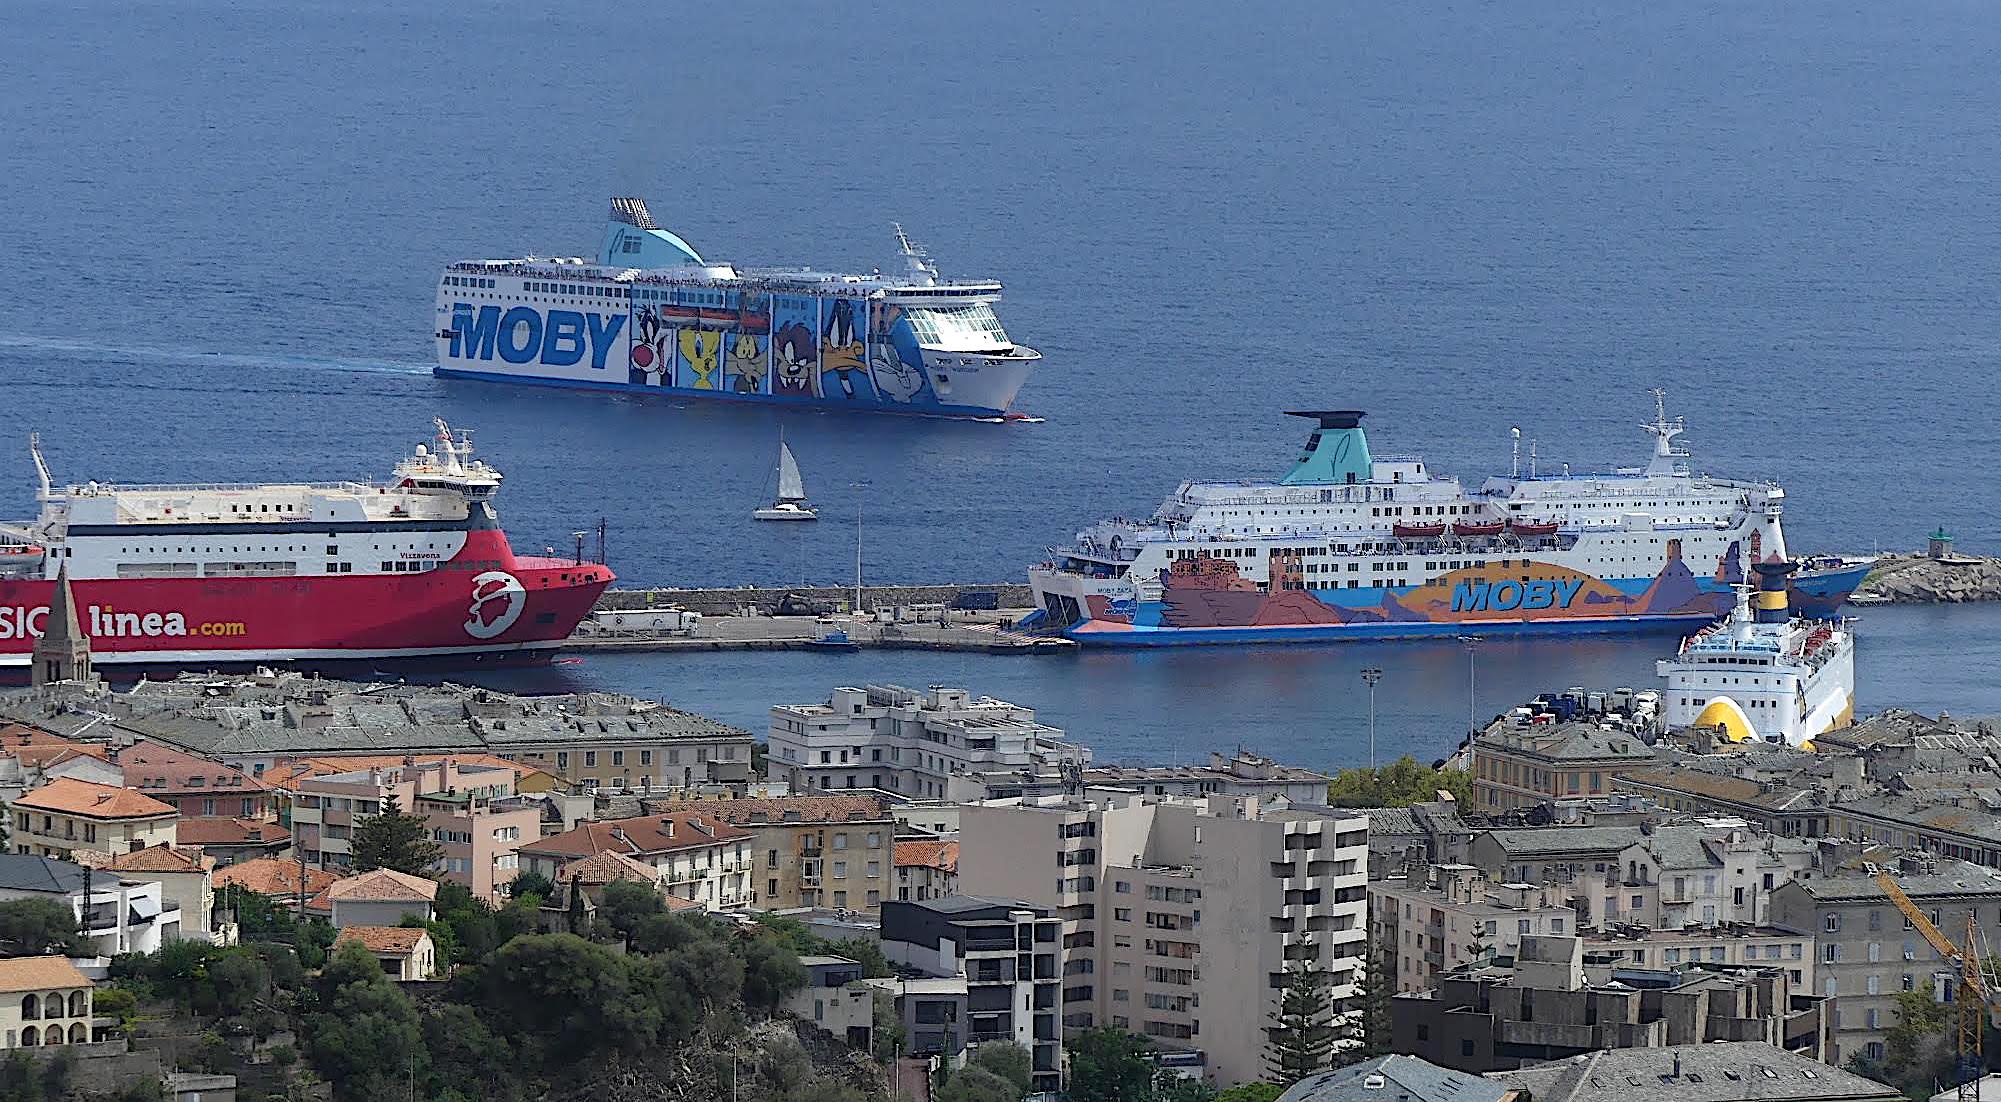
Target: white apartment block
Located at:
point(935, 744)
point(1182, 918)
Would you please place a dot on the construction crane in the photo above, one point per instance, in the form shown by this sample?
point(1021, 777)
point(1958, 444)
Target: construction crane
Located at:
point(1976, 985)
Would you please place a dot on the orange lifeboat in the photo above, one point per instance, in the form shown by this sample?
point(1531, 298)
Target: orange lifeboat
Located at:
point(1417, 531)
point(1477, 527)
point(1532, 527)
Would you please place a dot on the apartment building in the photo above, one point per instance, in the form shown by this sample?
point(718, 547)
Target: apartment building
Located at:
point(1708, 873)
point(1868, 950)
point(926, 868)
point(699, 858)
point(1444, 917)
point(1727, 1071)
point(115, 912)
point(67, 816)
point(1956, 825)
point(1551, 1005)
point(1788, 803)
point(1239, 774)
point(1519, 766)
point(810, 851)
point(1010, 956)
point(1729, 945)
point(195, 786)
point(935, 744)
point(472, 810)
point(1182, 918)
point(256, 722)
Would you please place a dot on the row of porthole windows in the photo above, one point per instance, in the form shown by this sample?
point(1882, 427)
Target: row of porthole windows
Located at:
point(34, 1006)
point(33, 1037)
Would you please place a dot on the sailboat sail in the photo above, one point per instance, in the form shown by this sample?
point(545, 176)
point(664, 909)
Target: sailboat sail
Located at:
point(790, 488)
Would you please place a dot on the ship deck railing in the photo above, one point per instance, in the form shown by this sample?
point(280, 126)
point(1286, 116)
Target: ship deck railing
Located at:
point(113, 489)
point(744, 280)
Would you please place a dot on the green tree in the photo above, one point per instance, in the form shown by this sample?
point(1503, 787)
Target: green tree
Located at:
point(1008, 1060)
point(1172, 1086)
point(889, 1032)
point(1110, 1065)
point(579, 919)
point(32, 927)
point(1301, 1038)
point(1251, 1092)
point(1401, 783)
point(559, 999)
point(1920, 1050)
point(624, 904)
point(771, 973)
point(468, 1057)
point(973, 1083)
point(393, 840)
point(364, 1035)
point(1369, 1028)
point(866, 953)
point(531, 883)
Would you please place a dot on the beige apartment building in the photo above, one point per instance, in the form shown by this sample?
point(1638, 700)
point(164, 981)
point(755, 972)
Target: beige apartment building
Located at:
point(472, 810)
point(66, 816)
point(1181, 918)
point(1521, 766)
point(1448, 916)
point(809, 851)
point(697, 857)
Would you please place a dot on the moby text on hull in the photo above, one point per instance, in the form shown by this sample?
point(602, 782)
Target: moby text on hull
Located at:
point(1352, 546)
point(650, 315)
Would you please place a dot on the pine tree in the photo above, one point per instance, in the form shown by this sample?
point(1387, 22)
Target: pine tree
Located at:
point(1301, 1038)
point(393, 840)
point(1368, 1027)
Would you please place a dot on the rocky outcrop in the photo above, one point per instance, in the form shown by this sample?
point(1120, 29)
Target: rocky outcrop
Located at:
point(1920, 580)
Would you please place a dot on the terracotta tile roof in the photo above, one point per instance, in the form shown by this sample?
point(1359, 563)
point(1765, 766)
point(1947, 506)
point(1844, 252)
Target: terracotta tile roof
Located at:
point(753, 811)
point(384, 885)
point(641, 835)
point(399, 940)
point(603, 868)
point(40, 974)
point(157, 767)
point(676, 903)
point(229, 832)
point(158, 859)
point(270, 876)
point(943, 856)
point(39, 749)
point(92, 801)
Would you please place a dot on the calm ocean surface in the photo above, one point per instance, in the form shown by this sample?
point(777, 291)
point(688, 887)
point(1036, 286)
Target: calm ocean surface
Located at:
point(223, 222)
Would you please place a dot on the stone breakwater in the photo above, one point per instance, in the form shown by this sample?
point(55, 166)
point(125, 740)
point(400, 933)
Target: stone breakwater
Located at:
point(1922, 580)
point(766, 601)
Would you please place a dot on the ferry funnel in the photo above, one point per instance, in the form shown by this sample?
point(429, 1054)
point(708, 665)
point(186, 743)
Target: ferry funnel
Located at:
point(1773, 605)
point(633, 240)
point(1337, 453)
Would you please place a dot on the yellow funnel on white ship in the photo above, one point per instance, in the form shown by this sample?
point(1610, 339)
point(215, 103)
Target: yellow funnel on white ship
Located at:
point(1724, 712)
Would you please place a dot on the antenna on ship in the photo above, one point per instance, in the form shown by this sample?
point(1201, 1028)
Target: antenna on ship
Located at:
point(41, 468)
point(1664, 431)
point(1532, 445)
point(914, 257)
point(1515, 452)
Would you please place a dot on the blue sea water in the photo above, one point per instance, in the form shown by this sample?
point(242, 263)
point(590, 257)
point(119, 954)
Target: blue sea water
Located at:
point(223, 220)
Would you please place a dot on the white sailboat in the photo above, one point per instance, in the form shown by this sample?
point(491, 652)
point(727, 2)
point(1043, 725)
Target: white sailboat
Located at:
point(791, 503)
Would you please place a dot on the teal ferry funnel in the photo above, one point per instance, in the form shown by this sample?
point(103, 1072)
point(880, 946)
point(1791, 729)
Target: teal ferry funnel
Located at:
point(1337, 453)
point(633, 240)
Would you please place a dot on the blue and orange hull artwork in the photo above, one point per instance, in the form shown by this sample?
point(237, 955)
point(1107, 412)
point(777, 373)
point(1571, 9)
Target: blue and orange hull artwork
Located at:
point(1537, 600)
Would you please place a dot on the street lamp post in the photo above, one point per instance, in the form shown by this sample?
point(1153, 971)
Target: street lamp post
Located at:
point(1371, 675)
point(861, 500)
point(1472, 644)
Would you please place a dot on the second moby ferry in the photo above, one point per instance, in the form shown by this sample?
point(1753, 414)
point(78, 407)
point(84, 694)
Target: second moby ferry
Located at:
point(649, 314)
point(1350, 545)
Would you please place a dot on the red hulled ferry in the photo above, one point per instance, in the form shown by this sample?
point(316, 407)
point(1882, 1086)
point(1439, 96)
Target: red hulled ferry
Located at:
point(205, 575)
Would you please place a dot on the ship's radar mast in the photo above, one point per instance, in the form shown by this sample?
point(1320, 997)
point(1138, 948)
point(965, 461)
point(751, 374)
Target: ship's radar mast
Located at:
point(1664, 431)
point(914, 258)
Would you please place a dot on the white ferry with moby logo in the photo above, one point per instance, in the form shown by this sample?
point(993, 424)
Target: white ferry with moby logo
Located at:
point(412, 568)
point(1352, 545)
point(649, 314)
